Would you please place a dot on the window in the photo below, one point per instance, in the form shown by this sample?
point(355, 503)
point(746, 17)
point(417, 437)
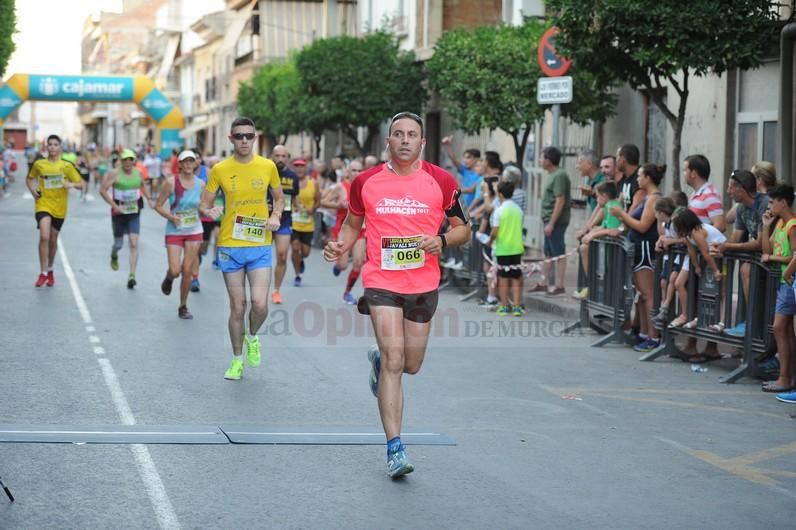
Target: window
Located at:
point(756, 138)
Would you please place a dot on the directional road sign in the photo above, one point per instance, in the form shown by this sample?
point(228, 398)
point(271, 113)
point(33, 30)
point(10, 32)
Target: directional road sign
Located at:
point(551, 63)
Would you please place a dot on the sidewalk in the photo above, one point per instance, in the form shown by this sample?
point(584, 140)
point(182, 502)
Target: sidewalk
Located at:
point(563, 305)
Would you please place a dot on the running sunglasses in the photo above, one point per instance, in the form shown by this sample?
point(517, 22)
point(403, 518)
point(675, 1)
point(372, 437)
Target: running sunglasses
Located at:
point(241, 136)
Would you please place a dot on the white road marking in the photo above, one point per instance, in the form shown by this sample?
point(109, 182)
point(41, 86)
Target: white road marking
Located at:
point(164, 511)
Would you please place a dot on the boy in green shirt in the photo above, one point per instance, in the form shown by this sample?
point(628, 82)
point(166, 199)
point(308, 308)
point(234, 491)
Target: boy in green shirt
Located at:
point(509, 248)
point(607, 198)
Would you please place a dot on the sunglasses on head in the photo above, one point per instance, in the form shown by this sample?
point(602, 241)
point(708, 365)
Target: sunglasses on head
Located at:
point(241, 136)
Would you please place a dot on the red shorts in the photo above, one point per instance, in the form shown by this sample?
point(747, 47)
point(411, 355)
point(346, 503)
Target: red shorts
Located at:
point(179, 240)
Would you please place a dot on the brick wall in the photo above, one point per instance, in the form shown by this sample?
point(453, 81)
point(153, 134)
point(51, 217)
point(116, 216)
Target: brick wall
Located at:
point(470, 13)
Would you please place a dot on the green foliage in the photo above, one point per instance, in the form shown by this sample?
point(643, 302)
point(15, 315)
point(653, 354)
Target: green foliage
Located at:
point(273, 99)
point(8, 26)
point(359, 82)
point(487, 80)
point(638, 41)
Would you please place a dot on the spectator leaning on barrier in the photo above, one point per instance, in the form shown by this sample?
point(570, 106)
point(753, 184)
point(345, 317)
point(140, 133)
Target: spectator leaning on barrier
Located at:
point(608, 168)
point(664, 209)
point(749, 208)
point(778, 247)
point(555, 214)
point(627, 160)
point(706, 204)
point(607, 199)
point(643, 233)
point(589, 166)
point(699, 237)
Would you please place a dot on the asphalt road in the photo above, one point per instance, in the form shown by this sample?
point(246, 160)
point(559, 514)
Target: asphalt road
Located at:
point(549, 432)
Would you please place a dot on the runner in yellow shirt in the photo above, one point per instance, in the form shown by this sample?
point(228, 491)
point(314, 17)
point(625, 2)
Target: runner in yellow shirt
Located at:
point(304, 206)
point(244, 242)
point(54, 178)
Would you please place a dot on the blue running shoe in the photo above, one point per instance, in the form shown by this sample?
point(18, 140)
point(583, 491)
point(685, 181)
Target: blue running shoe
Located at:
point(349, 299)
point(195, 285)
point(787, 397)
point(301, 267)
point(398, 464)
point(336, 270)
point(737, 331)
point(647, 345)
point(297, 281)
point(375, 362)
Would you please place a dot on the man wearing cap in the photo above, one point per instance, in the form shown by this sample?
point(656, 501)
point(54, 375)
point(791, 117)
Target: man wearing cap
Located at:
point(55, 177)
point(752, 204)
point(124, 189)
point(282, 237)
point(183, 227)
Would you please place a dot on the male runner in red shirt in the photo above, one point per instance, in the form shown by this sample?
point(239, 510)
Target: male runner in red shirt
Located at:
point(404, 203)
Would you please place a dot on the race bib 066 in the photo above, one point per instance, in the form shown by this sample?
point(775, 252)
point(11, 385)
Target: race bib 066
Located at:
point(128, 207)
point(188, 219)
point(401, 253)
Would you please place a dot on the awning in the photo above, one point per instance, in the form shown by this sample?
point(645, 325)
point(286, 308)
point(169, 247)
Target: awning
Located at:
point(197, 126)
point(234, 29)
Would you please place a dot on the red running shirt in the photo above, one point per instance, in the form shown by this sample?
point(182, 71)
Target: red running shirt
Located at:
point(398, 210)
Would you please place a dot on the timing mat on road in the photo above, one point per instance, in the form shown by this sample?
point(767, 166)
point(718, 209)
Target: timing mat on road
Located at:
point(212, 434)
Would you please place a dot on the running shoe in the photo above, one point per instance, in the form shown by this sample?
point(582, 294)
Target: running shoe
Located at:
point(374, 357)
point(195, 285)
point(50, 279)
point(517, 311)
point(276, 297)
point(737, 331)
point(114, 260)
point(488, 302)
point(647, 345)
point(398, 464)
point(502, 311)
point(131, 281)
point(349, 299)
point(336, 270)
point(165, 285)
point(297, 281)
point(183, 313)
point(235, 370)
point(787, 397)
point(41, 280)
point(301, 267)
point(253, 351)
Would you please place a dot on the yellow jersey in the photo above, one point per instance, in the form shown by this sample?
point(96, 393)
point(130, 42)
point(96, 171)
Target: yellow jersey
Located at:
point(51, 177)
point(245, 188)
point(304, 220)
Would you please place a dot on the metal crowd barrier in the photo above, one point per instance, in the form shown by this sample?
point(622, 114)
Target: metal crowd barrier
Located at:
point(610, 284)
point(704, 303)
point(470, 276)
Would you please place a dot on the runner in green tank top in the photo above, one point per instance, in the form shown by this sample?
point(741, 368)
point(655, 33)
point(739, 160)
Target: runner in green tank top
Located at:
point(124, 189)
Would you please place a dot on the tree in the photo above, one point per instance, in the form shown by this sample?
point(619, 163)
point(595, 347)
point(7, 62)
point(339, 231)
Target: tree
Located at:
point(359, 82)
point(653, 45)
point(271, 98)
point(487, 80)
point(8, 25)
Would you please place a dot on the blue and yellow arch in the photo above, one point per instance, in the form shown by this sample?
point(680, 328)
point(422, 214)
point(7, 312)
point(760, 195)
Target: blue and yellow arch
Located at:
point(134, 89)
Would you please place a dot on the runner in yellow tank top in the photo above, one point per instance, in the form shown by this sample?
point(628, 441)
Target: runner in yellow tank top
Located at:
point(54, 177)
point(244, 243)
point(309, 198)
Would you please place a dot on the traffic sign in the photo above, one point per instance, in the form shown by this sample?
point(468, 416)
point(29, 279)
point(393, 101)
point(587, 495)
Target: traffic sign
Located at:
point(552, 90)
point(551, 63)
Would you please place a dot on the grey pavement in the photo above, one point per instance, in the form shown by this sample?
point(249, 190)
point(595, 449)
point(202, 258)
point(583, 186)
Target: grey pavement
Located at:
point(550, 432)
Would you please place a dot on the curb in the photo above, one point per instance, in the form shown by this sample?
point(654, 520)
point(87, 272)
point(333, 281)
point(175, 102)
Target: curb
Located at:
point(554, 306)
